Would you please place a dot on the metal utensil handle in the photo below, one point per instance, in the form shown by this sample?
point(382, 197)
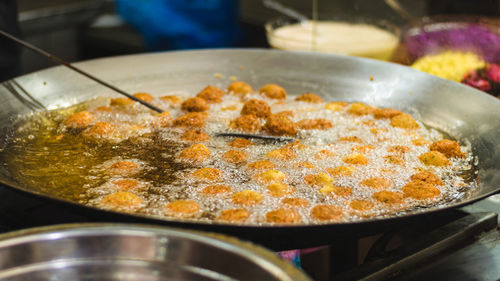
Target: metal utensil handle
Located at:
point(61, 61)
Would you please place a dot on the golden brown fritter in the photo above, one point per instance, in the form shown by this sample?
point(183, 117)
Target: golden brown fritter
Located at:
point(320, 179)
point(236, 157)
point(356, 159)
point(174, 100)
point(121, 200)
point(304, 165)
point(124, 168)
point(420, 141)
point(261, 165)
point(216, 189)
point(183, 207)
point(283, 216)
point(207, 174)
point(195, 135)
point(448, 147)
point(279, 126)
point(394, 159)
point(195, 104)
point(309, 97)
point(361, 205)
point(126, 184)
point(279, 189)
point(192, 119)
point(362, 148)
point(240, 88)
point(121, 102)
point(314, 124)
point(144, 97)
point(100, 130)
point(341, 171)
point(271, 176)
point(330, 189)
point(360, 109)
point(427, 177)
point(336, 106)
point(326, 213)
point(195, 153)
point(163, 119)
point(211, 94)
point(420, 190)
point(273, 91)
point(401, 149)
point(385, 113)
point(295, 202)
point(283, 154)
point(247, 197)
point(258, 108)
point(323, 154)
point(234, 215)
point(377, 182)
point(350, 139)
point(388, 197)
point(246, 123)
point(434, 158)
point(404, 121)
point(79, 120)
point(240, 143)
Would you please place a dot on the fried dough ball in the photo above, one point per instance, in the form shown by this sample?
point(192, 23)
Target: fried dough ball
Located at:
point(283, 216)
point(362, 148)
point(100, 130)
point(388, 113)
point(162, 120)
point(207, 174)
point(296, 145)
point(261, 165)
point(273, 91)
point(234, 215)
point(448, 147)
point(326, 213)
point(79, 120)
point(420, 142)
point(399, 149)
point(388, 197)
point(121, 200)
point(259, 108)
point(358, 108)
point(191, 119)
point(236, 157)
point(126, 184)
point(285, 113)
point(121, 102)
point(195, 105)
point(377, 182)
point(246, 123)
point(144, 97)
point(271, 176)
point(318, 179)
point(195, 135)
point(239, 88)
point(427, 177)
point(434, 158)
point(356, 159)
point(171, 99)
point(314, 124)
point(309, 97)
point(240, 143)
point(124, 168)
point(247, 197)
point(361, 205)
point(394, 159)
point(336, 106)
point(341, 171)
point(295, 202)
point(279, 189)
point(183, 207)
point(216, 189)
point(404, 121)
point(195, 153)
point(211, 94)
point(304, 165)
point(350, 139)
point(420, 190)
point(329, 189)
point(284, 154)
point(279, 126)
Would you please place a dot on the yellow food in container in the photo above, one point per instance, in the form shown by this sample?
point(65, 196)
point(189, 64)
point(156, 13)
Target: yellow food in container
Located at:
point(452, 65)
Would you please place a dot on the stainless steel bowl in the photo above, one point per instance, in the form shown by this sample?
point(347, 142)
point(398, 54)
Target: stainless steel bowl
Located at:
point(130, 252)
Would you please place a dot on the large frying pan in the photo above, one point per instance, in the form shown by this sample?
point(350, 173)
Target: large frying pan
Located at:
point(460, 111)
